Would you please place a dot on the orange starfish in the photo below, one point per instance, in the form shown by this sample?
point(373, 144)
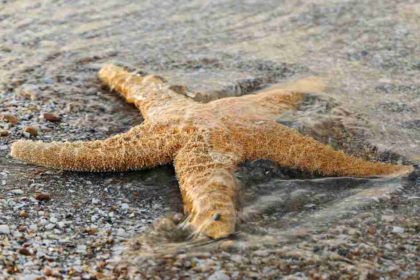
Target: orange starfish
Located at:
point(206, 142)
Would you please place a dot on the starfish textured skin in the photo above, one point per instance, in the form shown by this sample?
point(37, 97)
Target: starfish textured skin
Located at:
point(206, 143)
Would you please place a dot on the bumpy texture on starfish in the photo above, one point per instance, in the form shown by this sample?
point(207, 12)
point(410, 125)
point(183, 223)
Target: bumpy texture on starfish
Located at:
point(206, 142)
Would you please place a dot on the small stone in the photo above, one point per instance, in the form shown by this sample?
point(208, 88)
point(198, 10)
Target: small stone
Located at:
point(120, 232)
point(48, 272)
point(87, 276)
point(21, 228)
point(372, 229)
point(397, 230)
point(81, 249)
point(219, 275)
point(33, 227)
point(49, 226)
point(301, 232)
point(9, 118)
point(23, 214)
point(95, 201)
point(24, 251)
point(125, 206)
point(17, 191)
point(31, 277)
point(43, 196)
point(388, 246)
point(91, 230)
point(261, 253)
point(310, 206)
point(4, 132)
point(388, 218)
point(236, 258)
point(4, 229)
point(51, 117)
point(31, 130)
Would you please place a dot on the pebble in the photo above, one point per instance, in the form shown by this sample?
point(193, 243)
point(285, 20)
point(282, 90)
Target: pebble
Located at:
point(120, 232)
point(24, 251)
point(4, 132)
point(91, 230)
point(301, 232)
point(4, 229)
point(236, 258)
point(9, 118)
point(43, 196)
point(372, 229)
point(397, 230)
point(47, 271)
point(51, 117)
point(17, 191)
point(94, 218)
point(29, 131)
point(388, 246)
point(23, 214)
point(219, 275)
point(388, 218)
point(21, 228)
point(33, 227)
point(261, 253)
point(31, 277)
point(81, 249)
point(124, 206)
point(49, 226)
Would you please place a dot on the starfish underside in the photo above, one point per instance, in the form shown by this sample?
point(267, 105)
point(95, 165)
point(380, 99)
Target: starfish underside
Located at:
point(206, 143)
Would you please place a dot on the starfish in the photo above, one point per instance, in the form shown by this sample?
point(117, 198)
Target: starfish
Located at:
point(206, 143)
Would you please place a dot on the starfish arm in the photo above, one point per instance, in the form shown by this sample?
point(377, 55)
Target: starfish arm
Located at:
point(209, 189)
point(149, 93)
point(142, 146)
point(285, 96)
point(289, 148)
